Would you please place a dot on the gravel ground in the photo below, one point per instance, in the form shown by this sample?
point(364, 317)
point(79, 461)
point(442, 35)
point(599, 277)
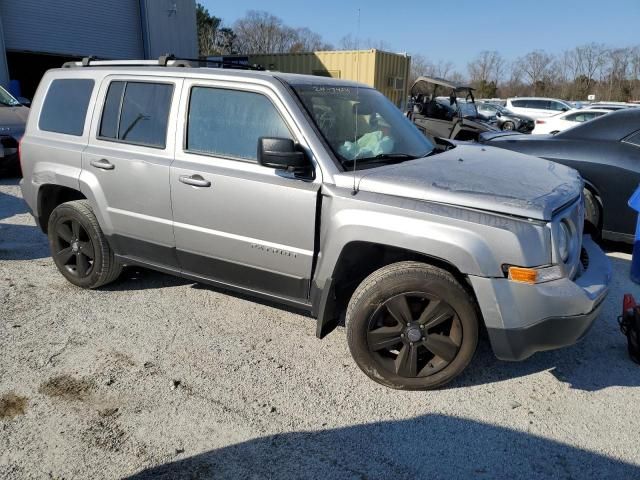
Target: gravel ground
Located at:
point(155, 376)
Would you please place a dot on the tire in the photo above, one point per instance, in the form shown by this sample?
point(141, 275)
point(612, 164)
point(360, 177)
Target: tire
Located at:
point(592, 215)
point(376, 317)
point(79, 248)
point(508, 126)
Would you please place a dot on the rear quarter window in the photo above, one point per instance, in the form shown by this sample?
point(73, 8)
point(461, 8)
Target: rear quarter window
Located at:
point(633, 139)
point(65, 107)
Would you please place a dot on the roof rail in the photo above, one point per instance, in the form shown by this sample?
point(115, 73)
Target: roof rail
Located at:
point(163, 61)
point(167, 60)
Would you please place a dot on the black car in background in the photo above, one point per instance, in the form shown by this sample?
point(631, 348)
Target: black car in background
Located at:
point(13, 118)
point(505, 119)
point(606, 152)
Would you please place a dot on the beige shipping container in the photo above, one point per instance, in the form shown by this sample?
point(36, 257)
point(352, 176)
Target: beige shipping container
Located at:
point(384, 71)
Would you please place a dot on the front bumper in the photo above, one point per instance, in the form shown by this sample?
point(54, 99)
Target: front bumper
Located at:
point(522, 319)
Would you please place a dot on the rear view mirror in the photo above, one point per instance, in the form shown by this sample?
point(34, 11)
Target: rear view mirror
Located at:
point(360, 108)
point(280, 153)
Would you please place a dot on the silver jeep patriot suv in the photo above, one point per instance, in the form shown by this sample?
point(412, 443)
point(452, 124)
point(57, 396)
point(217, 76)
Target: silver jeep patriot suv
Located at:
point(318, 194)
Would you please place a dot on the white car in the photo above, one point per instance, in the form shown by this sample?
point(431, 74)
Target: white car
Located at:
point(562, 121)
point(536, 107)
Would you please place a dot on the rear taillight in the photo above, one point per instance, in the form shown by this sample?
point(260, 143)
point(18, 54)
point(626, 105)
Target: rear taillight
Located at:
point(540, 122)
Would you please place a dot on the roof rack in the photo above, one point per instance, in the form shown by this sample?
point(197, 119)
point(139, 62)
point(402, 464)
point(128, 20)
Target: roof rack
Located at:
point(162, 61)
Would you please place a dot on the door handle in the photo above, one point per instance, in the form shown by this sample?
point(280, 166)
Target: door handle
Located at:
point(103, 164)
point(195, 180)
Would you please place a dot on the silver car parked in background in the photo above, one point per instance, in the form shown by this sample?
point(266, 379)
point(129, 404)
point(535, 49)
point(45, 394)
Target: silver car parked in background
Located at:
point(318, 194)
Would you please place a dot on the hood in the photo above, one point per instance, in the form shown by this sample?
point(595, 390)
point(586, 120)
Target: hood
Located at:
point(480, 177)
point(13, 120)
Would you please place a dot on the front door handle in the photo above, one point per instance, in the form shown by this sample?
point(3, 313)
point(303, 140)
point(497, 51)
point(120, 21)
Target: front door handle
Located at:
point(195, 180)
point(103, 164)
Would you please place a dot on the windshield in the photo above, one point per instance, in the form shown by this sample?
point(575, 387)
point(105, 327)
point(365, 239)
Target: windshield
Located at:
point(6, 99)
point(361, 124)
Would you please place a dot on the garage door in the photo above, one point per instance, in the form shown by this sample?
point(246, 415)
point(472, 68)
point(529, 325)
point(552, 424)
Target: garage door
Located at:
point(104, 28)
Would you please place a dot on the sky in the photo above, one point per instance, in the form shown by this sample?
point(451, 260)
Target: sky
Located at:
point(456, 31)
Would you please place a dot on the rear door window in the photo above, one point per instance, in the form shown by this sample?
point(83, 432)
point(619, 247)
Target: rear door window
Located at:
point(65, 107)
point(228, 123)
point(137, 113)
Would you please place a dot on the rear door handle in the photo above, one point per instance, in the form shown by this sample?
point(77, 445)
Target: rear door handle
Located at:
point(195, 180)
point(103, 164)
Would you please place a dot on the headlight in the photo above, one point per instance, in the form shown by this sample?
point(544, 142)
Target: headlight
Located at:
point(564, 241)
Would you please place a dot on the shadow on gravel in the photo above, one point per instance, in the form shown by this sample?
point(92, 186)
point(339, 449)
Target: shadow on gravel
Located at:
point(22, 242)
point(138, 278)
point(10, 205)
point(19, 241)
point(430, 446)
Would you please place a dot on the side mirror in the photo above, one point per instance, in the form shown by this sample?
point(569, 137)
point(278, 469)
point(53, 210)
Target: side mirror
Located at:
point(498, 114)
point(565, 109)
point(281, 153)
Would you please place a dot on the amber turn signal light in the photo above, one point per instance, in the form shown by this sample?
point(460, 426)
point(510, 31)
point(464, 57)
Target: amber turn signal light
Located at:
point(525, 275)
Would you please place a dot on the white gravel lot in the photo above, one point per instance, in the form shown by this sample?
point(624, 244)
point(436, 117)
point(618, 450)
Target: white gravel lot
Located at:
point(158, 377)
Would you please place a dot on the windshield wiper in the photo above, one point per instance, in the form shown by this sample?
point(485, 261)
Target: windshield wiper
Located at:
point(395, 157)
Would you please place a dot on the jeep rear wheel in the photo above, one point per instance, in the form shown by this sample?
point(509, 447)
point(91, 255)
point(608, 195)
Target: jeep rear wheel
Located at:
point(412, 326)
point(78, 246)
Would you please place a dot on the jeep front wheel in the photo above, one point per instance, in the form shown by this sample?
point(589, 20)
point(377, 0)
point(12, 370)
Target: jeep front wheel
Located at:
point(412, 326)
point(78, 246)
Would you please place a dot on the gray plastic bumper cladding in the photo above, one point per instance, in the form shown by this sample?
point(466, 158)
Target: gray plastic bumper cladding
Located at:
point(522, 319)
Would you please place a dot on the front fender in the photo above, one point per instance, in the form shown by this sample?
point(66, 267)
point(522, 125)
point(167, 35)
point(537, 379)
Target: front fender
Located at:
point(474, 242)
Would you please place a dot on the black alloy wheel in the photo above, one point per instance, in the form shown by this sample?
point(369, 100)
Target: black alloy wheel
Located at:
point(73, 248)
point(414, 334)
point(412, 326)
point(78, 246)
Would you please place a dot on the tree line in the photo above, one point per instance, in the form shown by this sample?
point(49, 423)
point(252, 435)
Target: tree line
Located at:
point(261, 32)
point(609, 73)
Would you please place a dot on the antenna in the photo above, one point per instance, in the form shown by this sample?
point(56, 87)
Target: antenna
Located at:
point(355, 133)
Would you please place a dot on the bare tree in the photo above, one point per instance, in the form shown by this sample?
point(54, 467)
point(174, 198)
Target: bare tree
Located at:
point(485, 72)
point(308, 41)
point(589, 59)
point(535, 67)
point(420, 66)
point(487, 67)
point(262, 32)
